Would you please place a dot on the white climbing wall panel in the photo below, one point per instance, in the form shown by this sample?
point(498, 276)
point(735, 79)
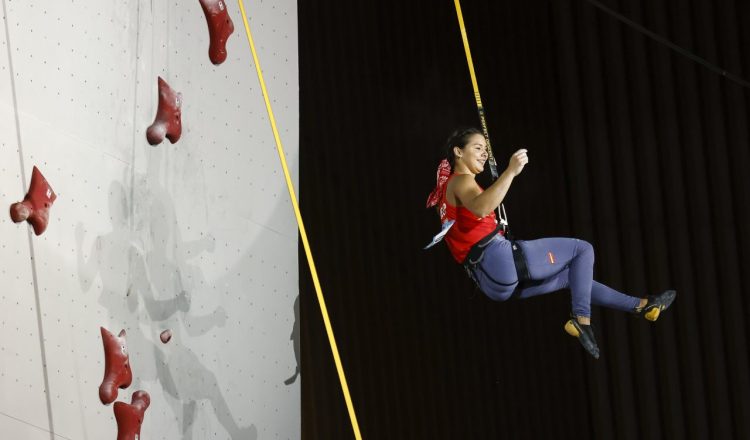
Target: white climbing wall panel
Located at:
point(198, 237)
point(23, 408)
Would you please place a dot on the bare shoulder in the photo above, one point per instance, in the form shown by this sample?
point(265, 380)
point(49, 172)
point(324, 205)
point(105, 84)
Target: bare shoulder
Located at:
point(461, 188)
point(463, 179)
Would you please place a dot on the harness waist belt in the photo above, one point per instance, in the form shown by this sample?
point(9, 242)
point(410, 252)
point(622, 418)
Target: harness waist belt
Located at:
point(477, 251)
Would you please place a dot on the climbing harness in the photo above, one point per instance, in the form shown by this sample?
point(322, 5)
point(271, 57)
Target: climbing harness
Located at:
point(474, 257)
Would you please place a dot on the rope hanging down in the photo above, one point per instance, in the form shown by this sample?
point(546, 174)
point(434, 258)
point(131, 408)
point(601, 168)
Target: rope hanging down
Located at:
point(303, 234)
point(480, 108)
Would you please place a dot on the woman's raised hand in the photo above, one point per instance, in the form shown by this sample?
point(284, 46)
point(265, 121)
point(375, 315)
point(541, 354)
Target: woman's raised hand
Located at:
point(518, 160)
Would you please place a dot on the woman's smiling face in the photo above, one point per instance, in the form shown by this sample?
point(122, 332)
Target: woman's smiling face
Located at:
point(472, 157)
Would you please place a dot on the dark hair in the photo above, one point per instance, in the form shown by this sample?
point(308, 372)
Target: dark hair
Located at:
point(459, 138)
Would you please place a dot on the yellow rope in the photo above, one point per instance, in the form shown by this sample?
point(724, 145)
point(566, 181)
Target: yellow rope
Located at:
point(474, 83)
point(301, 225)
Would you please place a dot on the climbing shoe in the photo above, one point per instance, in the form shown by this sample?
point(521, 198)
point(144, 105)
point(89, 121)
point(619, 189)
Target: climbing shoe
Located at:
point(656, 304)
point(585, 335)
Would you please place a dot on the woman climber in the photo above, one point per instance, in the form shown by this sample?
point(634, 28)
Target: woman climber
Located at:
point(504, 268)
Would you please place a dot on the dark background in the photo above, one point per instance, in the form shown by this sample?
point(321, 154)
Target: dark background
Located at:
point(633, 147)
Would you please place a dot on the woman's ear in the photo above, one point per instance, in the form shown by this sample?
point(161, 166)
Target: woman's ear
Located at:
point(457, 152)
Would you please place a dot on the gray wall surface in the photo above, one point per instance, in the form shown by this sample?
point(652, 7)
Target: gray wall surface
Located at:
point(198, 237)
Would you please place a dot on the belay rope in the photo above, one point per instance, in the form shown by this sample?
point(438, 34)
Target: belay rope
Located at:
point(475, 254)
point(303, 234)
point(480, 108)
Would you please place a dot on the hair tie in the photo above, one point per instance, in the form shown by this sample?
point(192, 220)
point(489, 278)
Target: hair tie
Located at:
point(443, 172)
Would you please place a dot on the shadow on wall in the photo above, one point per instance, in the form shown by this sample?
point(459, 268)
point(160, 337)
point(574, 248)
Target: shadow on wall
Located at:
point(295, 341)
point(269, 239)
point(151, 265)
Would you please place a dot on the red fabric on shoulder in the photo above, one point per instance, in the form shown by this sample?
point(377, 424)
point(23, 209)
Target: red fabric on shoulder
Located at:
point(443, 175)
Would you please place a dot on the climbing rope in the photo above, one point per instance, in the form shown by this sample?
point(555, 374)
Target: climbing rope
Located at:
point(303, 234)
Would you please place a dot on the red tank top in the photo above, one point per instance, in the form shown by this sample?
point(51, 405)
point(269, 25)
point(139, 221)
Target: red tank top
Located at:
point(467, 230)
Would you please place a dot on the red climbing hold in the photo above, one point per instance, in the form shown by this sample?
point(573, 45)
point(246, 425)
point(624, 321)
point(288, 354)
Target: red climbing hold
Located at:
point(165, 336)
point(220, 27)
point(36, 205)
point(129, 417)
point(117, 372)
point(168, 121)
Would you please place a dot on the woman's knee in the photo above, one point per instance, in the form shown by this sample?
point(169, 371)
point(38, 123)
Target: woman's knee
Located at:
point(585, 248)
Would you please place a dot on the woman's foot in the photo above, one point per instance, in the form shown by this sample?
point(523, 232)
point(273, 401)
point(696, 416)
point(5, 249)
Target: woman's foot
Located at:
point(656, 304)
point(585, 335)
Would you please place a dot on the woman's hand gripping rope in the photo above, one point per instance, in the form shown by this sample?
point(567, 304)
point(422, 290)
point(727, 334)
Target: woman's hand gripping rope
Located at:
point(518, 160)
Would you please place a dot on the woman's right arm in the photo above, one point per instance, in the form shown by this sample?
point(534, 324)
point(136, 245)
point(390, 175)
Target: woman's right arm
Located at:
point(482, 203)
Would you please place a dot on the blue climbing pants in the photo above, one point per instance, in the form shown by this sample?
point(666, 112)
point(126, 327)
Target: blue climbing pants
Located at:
point(553, 264)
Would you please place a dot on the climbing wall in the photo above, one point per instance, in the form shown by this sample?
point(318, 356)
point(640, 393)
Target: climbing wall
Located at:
point(196, 237)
